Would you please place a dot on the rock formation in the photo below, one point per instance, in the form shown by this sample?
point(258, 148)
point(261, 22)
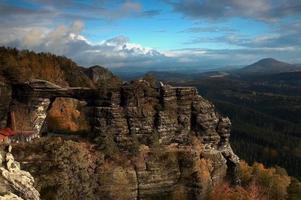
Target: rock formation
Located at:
point(14, 182)
point(175, 114)
point(172, 140)
point(176, 118)
point(186, 140)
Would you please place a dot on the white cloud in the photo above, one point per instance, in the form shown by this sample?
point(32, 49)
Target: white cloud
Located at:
point(68, 41)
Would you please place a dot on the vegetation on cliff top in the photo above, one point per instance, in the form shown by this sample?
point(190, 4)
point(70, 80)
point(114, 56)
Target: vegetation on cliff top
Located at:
point(20, 66)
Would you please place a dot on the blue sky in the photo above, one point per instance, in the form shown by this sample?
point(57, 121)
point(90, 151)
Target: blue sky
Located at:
point(166, 34)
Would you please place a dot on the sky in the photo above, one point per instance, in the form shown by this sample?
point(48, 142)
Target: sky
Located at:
point(155, 34)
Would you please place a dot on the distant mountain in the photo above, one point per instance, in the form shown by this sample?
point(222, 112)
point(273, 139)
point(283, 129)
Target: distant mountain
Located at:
point(269, 66)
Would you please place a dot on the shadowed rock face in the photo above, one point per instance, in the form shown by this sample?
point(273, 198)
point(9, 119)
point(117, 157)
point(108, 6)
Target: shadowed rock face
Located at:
point(186, 141)
point(175, 114)
point(180, 120)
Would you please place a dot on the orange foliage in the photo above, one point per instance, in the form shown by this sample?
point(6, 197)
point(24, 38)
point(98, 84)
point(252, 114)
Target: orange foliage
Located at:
point(67, 115)
point(225, 192)
point(25, 65)
point(257, 183)
point(272, 182)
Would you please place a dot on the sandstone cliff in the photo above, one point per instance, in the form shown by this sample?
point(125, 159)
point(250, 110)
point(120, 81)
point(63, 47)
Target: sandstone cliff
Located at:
point(146, 140)
point(193, 137)
point(14, 182)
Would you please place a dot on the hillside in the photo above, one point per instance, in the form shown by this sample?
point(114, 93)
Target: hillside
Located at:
point(21, 66)
point(268, 66)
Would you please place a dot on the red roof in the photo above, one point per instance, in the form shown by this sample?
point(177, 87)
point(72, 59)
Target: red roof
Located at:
point(7, 132)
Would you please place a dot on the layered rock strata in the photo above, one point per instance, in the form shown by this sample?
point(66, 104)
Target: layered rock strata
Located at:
point(171, 117)
point(187, 141)
point(174, 114)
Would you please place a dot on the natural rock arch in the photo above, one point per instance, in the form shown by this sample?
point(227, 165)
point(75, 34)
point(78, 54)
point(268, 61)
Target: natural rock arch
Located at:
point(32, 100)
point(175, 113)
point(178, 115)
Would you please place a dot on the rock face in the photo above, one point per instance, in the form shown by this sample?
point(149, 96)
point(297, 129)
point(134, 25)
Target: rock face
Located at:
point(172, 142)
point(14, 182)
point(174, 114)
point(173, 118)
point(186, 141)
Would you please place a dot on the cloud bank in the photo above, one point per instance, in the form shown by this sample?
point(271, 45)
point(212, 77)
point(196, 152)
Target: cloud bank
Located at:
point(265, 10)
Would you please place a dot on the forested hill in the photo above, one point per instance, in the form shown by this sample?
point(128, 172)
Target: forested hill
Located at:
point(23, 65)
point(269, 66)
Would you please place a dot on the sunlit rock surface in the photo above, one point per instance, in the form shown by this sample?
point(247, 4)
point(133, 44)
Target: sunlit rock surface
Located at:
point(14, 182)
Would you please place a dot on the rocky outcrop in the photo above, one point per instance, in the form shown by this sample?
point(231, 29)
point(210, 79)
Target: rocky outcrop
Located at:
point(170, 142)
point(14, 182)
point(32, 100)
point(175, 114)
point(173, 118)
point(186, 140)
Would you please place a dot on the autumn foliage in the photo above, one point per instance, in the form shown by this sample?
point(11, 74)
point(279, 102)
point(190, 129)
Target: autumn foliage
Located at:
point(259, 183)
